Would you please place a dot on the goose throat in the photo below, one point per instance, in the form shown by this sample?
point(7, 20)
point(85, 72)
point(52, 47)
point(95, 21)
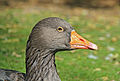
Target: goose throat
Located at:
point(40, 65)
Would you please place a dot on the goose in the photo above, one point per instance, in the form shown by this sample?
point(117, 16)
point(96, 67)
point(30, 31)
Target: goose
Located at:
point(48, 36)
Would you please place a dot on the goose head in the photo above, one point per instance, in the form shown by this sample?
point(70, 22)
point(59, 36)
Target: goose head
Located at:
point(57, 34)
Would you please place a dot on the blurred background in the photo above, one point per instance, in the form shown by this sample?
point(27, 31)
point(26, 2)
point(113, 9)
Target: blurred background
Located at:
point(96, 20)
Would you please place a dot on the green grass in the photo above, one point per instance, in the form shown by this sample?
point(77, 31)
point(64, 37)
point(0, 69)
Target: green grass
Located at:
point(16, 24)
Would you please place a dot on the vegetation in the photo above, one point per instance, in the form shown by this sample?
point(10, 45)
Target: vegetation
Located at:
point(77, 65)
point(83, 3)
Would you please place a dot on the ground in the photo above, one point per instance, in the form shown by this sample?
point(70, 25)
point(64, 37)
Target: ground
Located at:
point(101, 26)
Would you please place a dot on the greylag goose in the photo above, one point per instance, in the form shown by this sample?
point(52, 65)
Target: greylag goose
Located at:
point(48, 36)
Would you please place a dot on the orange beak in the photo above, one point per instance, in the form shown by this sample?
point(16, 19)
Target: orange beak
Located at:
point(78, 42)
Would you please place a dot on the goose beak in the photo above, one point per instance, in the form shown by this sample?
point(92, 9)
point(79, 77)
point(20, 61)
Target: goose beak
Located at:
point(78, 42)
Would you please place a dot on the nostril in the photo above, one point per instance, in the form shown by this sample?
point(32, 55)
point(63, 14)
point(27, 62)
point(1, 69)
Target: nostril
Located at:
point(82, 40)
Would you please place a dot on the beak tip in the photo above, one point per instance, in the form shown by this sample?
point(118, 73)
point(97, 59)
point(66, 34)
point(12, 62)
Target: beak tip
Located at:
point(94, 46)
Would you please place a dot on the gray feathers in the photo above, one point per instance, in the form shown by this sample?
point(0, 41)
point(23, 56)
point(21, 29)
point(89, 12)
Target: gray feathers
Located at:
point(43, 42)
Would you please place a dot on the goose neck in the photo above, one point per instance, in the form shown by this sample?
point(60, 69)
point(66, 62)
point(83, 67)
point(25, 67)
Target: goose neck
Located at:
point(40, 65)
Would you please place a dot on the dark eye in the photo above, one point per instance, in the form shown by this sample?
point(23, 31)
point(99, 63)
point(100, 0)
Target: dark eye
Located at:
point(60, 29)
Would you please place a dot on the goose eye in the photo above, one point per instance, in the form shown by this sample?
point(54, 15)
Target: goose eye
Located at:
point(60, 29)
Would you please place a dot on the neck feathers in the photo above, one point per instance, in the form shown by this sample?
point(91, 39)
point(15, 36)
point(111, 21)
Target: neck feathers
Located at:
point(40, 65)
